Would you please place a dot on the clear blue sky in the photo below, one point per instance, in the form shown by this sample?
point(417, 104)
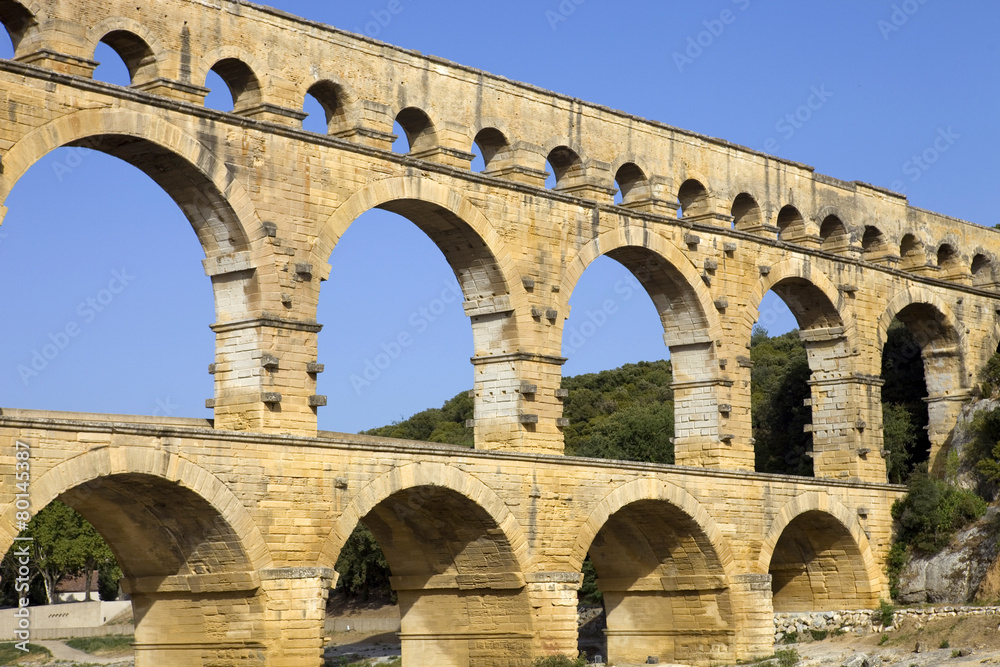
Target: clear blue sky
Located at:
point(895, 74)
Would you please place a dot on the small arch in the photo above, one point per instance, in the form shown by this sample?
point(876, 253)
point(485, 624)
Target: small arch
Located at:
point(873, 243)
point(982, 270)
point(632, 182)
point(791, 224)
point(566, 166)
point(746, 213)
point(948, 258)
point(138, 56)
point(693, 198)
point(332, 99)
point(243, 84)
point(417, 127)
point(493, 146)
point(16, 20)
point(911, 253)
point(833, 234)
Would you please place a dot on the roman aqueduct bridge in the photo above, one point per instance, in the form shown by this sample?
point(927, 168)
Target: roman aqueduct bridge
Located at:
point(228, 529)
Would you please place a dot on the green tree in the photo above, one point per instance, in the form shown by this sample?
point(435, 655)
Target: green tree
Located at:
point(900, 440)
point(363, 568)
point(932, 511)
point(63, 543)
point(778, 391)
point(905, 389)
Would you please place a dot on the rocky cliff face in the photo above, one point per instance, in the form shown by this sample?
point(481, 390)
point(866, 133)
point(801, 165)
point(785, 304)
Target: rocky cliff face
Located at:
point(967, 570)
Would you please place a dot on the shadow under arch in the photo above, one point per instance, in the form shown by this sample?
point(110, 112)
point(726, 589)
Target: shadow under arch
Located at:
point(807, 292)
point(135, 38)
point(181, 537)
point(449, 542)
point(663, 567)
point(942, 345)
point(825, 560)
point(214, 201)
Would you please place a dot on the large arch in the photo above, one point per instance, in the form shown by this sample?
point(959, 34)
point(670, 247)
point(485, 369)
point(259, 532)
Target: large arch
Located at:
point(668, 275)
point(215, 202)
point(825, 561)
point(662, 565)
point(470, 244)
point(451, 544)
point(808, 292)
point(943, 344)
point(186, 544)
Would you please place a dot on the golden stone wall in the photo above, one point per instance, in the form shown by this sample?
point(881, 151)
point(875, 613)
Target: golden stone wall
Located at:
point(705, 550)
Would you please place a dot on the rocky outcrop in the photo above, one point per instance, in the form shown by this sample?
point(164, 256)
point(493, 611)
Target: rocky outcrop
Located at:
point(956, 574)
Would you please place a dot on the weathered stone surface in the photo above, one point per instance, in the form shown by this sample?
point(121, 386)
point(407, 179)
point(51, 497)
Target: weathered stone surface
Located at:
point(955, 575)
point(487, 545)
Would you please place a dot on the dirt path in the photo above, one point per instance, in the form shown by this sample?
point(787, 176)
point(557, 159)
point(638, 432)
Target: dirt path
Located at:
point(61, 651)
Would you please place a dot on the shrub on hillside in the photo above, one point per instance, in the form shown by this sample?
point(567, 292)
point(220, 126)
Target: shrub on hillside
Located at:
point(932, 511)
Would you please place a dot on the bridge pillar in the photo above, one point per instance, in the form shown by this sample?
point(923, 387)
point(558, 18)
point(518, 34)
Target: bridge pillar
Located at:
point(708, 431)
point(846, 410)
point(518, 405)
point(942, 415)
point(456, 621)
point(295, 614)
point(197, 620)
point(681, 619)
point(554, 603)
point(265, 376)
point(753, 615)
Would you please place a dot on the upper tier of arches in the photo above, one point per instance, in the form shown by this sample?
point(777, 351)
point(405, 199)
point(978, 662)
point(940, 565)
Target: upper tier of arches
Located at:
point(826, 220)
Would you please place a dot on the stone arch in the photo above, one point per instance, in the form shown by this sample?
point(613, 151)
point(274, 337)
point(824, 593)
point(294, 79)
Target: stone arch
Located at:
point(651, 490)
point(694, 197)
point(632, 182)
point(248, 79)
point(942, 346)
point(218, 207)
point(138, 48)
point(860, 587)
point(338, 100)
point(417, 475)
point(450, 541)
point(18, 19)
point(874, 244)
point(982, 267)
point(948, 258)
point(567, 166)
point(912, 252)
point(481, 275)
point(494, 145)
point(420, 130)
point(946, 334)
point(688, 292)
point(95, 479)
point(833, 232)
point(746, 212)
point(791, 224)
point(659, 557)
point(808, 292)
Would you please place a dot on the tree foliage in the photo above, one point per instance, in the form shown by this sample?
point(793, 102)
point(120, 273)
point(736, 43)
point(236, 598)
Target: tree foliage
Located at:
point(63, 544)
point(363, 568)
point(904, 410)
point(932, 511)
point(778, 391)
point(445, 424)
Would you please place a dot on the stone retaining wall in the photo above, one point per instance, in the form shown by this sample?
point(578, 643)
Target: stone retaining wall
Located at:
point(865, 620)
